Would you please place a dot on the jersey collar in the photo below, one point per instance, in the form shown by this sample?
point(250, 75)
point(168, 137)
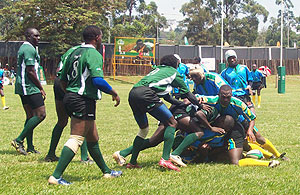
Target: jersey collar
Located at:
point(88, 45)
point(27, 43)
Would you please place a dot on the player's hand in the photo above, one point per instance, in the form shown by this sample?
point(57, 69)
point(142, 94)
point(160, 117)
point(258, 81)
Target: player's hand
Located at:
point(117, 99)
point(251, 136)
point(207, 108)
point(250, 90)
point(218, 130)
point(43, 94)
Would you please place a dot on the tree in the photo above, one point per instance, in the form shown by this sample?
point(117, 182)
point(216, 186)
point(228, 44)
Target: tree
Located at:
point(60, 22)
point(144, 24)
point(240, 21)
point(289, 22)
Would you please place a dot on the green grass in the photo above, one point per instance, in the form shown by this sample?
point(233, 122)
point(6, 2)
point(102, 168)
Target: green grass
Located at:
point(278, 120)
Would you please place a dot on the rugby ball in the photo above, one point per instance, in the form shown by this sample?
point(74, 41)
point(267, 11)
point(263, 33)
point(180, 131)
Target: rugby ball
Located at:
point(256, 154)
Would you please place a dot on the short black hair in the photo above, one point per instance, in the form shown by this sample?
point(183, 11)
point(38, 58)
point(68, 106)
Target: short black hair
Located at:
point(28, 32)
point(139, 41)
point(169, 60)
point(225, 88)
point(198, 59)
point(91, 32)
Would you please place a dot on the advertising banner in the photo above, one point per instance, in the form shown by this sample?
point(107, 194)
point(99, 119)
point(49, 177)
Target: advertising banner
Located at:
point(131, 46)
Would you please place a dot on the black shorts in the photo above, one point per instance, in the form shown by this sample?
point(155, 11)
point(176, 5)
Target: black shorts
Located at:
point(79, 106)
point(178, 112)
point(1, 86)
point(257, 85)
point(58, 92)
point(237, 136)
point(247, 100)
point(34, 100)
point(143, 99)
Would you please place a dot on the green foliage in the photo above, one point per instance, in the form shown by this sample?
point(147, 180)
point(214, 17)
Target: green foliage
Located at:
point(276, 119)
point(240, 21)
point(60, 22)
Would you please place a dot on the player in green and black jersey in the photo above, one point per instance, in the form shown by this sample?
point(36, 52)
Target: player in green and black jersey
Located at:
point(81, 78)
point(30, 90)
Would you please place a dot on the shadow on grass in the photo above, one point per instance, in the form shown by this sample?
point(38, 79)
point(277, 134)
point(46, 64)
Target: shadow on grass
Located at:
point(69, 178)
point(12, 152)
point(121, 81)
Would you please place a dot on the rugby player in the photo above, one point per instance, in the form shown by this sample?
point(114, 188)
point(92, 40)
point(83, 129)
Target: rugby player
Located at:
point(81, 77)
point(30, 90)
point(62, 117)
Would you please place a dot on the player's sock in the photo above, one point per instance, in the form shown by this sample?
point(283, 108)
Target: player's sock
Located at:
point(265, 153)
point(253, 100)
point(65, 158)
point(28, 128)
point(84, 151)
point(137, 145)
point(259, 100)
point(56, 134)
point(168, 142)
point(95, 153)
point(253, 162)
point(29, 139)
point(271, 148)
point(3, 101)
point(127, 151)
point(188, 140)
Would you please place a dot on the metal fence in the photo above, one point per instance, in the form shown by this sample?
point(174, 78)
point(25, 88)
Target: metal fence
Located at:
point(268, 56)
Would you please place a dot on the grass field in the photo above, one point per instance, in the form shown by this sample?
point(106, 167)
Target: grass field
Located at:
point(278, 120)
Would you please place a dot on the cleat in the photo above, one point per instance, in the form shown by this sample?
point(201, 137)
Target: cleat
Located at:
point(5, 108)
point(274, 163)
point(119, 159)
point(19, 147)
point(131, 166)
point(88, 161)
point(50, 158)
point(258, 106)
point(177, 160)
point(112, 174)
point(33, 151)
point(52, 180)
point(283, 157)
point(168, 164)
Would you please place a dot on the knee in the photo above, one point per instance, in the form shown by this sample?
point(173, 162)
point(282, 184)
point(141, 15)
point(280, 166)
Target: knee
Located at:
point(199, 134)
point(42, 116)
point(62, 122)
point(173, 123)
point(228, 122)
point(74, 142)
point(260, 139)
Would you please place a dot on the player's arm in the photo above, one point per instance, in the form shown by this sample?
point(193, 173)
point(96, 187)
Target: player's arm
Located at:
point(102, 85)
point(172, 100)
point(200, 115)
point(248, 115)
point(33, 77)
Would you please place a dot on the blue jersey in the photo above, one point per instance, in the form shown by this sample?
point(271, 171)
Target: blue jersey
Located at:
point(1, 75)
point(211, 86)
point(235, 108)
point(257, 76)
point(184, 72)
point(238, 78)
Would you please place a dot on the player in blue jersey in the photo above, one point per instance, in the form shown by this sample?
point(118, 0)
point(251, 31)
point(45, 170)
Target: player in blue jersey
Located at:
point(206, 83)
point(239, 78)
point(1, 90)
point(184, 72)
point(228, 105)
point(257, 84)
